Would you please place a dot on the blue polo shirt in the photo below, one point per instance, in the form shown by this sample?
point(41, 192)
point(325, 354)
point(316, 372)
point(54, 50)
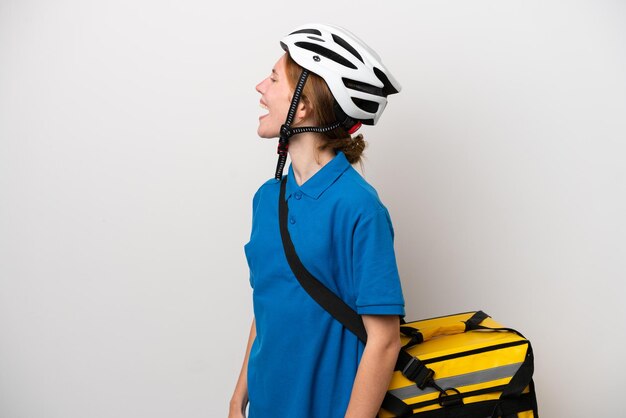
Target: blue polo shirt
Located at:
point(303, 362)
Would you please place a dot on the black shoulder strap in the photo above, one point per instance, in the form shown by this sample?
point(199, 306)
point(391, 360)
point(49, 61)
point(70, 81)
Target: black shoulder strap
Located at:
point(339, 309)
point(320, 293)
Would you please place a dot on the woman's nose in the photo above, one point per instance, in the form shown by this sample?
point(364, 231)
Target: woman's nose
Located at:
point(259, 86)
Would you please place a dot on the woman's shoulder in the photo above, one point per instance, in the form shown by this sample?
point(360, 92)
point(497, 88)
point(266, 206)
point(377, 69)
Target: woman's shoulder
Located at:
point(270, 184)
point(359, 193)
point(270, 187)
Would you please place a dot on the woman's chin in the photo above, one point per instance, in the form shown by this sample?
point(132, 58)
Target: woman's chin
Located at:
point(266, 134)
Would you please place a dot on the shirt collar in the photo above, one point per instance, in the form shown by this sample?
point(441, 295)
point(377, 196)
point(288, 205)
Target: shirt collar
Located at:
point(316, 185)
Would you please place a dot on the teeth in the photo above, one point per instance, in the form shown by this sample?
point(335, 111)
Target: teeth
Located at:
point(263, 106)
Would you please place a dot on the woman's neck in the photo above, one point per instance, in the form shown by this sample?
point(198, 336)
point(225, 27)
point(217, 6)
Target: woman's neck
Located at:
point(306, 158)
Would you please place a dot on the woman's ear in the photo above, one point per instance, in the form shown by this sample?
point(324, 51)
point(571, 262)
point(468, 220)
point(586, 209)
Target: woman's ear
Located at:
point(303, 111)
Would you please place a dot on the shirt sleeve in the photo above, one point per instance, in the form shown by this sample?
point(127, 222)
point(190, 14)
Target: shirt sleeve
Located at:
point(379, 291)
point(255, 204)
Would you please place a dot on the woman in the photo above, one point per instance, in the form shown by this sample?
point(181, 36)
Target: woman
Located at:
point(300, 361)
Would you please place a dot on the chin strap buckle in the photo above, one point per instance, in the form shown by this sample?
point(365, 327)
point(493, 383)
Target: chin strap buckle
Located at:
point(283, 142)
point(282, 148)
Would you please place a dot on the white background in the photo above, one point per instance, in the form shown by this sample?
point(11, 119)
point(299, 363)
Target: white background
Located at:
point(129, 157)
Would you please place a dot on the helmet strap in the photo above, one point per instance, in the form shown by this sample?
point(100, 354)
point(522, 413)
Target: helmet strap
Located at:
point(286, 131)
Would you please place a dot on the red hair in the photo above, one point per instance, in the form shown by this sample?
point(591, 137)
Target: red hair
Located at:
point(317, 96)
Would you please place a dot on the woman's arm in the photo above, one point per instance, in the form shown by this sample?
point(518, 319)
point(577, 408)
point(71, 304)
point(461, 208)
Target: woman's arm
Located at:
point(376, 366)
point(239, 401)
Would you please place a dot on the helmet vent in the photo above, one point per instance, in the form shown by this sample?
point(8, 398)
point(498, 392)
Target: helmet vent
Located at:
point(316, 38)
point(347, 46)
point(310, 31)
point(388, 88)
point(367, 105)
point(327, 53)
point(364, 87)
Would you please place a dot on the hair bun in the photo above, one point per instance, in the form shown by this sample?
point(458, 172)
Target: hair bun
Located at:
point(353, 148)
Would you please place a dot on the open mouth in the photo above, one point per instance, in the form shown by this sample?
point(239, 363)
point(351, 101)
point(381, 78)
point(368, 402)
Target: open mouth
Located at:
point(264, 108)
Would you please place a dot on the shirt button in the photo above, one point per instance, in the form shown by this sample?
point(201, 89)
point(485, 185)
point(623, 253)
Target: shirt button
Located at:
point(292, 220)
point(298, 195)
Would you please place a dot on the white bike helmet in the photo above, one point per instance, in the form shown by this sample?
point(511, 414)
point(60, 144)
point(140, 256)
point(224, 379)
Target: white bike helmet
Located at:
point(353, 72)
